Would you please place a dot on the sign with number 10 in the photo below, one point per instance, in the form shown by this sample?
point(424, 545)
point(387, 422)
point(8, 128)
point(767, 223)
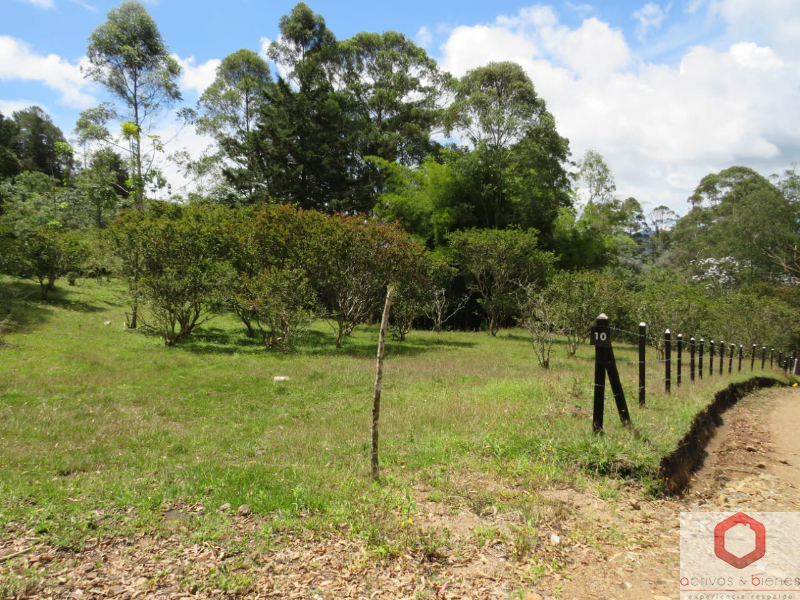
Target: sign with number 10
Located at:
point(600, 336)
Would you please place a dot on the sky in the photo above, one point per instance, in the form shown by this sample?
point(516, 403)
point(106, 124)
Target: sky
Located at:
point(667, 92)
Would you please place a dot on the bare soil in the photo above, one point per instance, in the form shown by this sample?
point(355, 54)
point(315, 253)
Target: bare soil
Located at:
point(605, 541)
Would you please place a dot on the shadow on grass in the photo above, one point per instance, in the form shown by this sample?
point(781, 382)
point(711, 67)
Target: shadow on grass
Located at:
point(25, 301)
point(216, 340)
point(60, 297)
point(527, 339)
point(318, 343)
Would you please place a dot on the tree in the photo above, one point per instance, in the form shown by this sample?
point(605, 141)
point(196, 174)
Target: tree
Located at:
point(735, 213)
point(785, 252)
point(516, 147)
point(92, 126)
point(576, 298)
point(396, 87)
point(102, 188)
point(9, 163)
point(127, 55)
point(667, 302)
point(306, 130)
point(281, 303)
point(352, 260)
point(48, 254)
point(595, 174)
point(537, 310)
point(37, 143)
point(229, 110)
point(183, 274)
point(499, 265)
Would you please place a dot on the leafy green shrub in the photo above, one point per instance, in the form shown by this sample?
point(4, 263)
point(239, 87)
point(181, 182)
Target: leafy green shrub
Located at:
point(500, 264)
point(577, 299)
point(281, 303)
point(176, 256)
point(47, 254)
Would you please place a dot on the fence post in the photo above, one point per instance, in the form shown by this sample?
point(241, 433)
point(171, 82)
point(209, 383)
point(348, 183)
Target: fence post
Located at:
point(771, 357)
point(753, 358)
point(741, 351)
point(721, 355)
point(691, 359)
point(700, 358)
point(730, 359)
point(680, 357)
point(599, 377)
point(642, 338)
point(668, 357)
point(780, 359)
point(711, 358)
point(763, 356)
point(794, 362)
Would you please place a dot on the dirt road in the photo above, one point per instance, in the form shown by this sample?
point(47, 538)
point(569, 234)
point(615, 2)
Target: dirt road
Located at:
point(753, 464)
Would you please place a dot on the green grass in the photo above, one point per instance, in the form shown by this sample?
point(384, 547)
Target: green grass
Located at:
point(103, 429)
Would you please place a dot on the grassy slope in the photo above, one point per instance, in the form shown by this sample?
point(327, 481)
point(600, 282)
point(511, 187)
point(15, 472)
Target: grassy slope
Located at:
point(101, 429)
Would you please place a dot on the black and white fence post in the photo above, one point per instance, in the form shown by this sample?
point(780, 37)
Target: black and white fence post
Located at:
point(721, 355)
point(771, 357)
point(730, 359)
point(605, 363)
point(668, 361)
point(642, 340)
point(763, 356)
point(741, 352)
point(691, 359)
point(700, 358)
point(711, 358)
point(753, 358)
point(680, 358)
point(599, 371)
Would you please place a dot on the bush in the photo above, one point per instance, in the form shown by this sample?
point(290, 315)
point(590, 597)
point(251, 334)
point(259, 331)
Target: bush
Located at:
point(499, 266)
point(538, 309)
point(47, 255)
point(577, 299)
point(177, 258)
point(281, 303)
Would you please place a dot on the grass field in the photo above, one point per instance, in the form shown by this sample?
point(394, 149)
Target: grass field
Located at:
point(102, 430)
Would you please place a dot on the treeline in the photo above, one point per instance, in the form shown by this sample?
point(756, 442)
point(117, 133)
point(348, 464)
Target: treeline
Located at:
point(361, 164)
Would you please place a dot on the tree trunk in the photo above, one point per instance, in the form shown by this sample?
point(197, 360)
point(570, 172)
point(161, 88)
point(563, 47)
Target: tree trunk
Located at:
point(376, 400)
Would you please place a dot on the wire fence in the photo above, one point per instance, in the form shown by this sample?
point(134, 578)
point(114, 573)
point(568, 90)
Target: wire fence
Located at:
point(682, 360)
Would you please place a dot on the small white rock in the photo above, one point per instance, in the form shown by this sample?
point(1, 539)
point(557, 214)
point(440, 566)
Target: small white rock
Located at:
point(281, 378)
point(106, 322)
point(554, 539)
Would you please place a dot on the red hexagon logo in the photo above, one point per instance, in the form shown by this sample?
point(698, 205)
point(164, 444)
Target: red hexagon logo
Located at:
point(748, 559)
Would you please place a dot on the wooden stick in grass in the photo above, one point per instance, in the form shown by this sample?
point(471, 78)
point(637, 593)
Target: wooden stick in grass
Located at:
point(376, 400)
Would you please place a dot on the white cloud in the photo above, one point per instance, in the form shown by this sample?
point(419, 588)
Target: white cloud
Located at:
point(424, 37)
point(594, 49)
point(198, 77)
point(581, 9)
point(19, 61)
point(8, 107)
point(661, 128)
point(39, 3)
point(650, 16)
point(775, 20)
point(88, 7)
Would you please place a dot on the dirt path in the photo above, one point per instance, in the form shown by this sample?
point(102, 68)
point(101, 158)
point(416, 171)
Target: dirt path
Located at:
point(609, 542)
point(753, 464)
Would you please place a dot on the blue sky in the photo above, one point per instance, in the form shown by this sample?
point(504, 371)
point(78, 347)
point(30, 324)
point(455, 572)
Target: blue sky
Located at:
point(666, 91)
